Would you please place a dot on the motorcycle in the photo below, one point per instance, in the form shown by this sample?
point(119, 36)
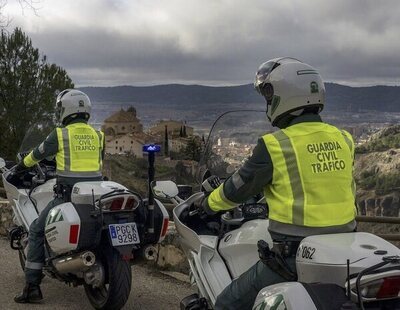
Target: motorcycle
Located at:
point(93, 237)
point(355, 270)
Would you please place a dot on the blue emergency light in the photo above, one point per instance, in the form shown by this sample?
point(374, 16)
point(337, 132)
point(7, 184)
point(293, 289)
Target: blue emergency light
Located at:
point(151, 148)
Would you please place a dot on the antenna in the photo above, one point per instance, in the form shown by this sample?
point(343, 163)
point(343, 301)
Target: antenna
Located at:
point(94, 206)
point(348, 279)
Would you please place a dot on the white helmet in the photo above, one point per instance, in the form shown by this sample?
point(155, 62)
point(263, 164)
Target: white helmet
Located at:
point(289, 86)
point(71, 102)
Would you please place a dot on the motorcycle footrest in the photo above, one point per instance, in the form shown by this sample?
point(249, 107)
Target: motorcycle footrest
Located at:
point(193, 302)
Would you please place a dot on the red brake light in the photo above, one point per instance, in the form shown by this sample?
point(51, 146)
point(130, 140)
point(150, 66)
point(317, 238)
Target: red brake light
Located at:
point(164, 227)
point(130, 204)
point(390, 288)
point(117, 204)
point(73, 234)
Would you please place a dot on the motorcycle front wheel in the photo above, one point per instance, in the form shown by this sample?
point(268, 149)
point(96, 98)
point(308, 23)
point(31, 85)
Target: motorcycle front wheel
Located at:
point(118, 279)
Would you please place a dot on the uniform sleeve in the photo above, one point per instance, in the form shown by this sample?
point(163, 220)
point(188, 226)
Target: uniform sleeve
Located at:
point(246, 182)
point(49, 147)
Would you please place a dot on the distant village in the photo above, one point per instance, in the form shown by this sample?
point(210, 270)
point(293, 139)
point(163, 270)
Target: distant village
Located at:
point(124, 134)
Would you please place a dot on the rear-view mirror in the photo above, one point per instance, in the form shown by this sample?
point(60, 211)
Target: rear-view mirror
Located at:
point(164, 189)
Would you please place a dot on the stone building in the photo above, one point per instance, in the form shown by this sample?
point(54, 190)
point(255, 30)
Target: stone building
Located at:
point(122, 122)
point(124, 133)
point(131, 143)
point(125, 144)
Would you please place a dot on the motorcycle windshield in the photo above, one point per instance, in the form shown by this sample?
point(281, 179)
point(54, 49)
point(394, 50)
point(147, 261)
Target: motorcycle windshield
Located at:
point(231, 141)
point(35, 135)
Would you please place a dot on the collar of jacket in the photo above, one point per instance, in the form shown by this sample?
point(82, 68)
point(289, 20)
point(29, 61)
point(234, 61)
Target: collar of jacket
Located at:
point(305, 118)
point(74, 121)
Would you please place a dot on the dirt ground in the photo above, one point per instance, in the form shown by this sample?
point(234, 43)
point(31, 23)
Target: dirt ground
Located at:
point(151, 290)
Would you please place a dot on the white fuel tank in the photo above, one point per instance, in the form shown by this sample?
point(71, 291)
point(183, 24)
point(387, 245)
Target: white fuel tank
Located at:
point(323, 258)
point(84, 192)
point(43, 194)
point(239, 247)
point(62, 228)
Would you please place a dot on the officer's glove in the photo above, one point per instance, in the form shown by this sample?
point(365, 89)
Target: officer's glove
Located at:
point(211, 183)
point(15, 174)
point(208, 186)
point(204, 208)
point(209, 216)
point(20, 167)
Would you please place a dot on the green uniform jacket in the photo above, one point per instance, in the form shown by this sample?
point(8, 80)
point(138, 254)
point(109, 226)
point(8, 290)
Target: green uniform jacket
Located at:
point(253, 177)
point(49, 148)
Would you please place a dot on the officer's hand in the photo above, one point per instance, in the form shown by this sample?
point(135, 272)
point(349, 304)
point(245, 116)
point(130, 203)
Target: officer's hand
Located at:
point(204, 208)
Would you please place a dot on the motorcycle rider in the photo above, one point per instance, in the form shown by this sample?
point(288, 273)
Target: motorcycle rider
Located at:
point(78, 149)
point(304, 170)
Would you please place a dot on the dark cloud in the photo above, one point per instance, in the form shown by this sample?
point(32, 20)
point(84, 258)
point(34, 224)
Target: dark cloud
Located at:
point(109, 42)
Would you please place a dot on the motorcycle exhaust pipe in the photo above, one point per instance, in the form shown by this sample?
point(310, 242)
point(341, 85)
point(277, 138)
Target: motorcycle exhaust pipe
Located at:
point(75, 263)
point(150, 253)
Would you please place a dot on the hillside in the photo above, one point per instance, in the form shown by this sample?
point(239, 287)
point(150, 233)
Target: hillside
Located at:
point(133, 172)
point(377, 171)
point(339, 97)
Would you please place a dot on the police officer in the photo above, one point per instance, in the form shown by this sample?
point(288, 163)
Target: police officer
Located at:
point(304, 170)
point(78, 149)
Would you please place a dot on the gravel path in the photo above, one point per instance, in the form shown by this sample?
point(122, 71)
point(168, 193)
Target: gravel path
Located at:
point(151, 290)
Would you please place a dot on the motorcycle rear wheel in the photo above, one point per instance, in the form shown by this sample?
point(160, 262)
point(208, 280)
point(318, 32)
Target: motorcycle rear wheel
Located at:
point(115, 292)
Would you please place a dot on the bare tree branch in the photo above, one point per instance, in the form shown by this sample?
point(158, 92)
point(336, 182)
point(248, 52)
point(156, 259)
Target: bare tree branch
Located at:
point(32, 5)
point(5, 19)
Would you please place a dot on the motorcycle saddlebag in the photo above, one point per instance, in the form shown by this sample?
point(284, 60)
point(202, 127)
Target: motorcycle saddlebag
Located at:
point(90, 228)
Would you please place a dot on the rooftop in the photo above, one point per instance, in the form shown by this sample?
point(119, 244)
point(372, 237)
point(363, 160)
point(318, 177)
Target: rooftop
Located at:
point(122, 116)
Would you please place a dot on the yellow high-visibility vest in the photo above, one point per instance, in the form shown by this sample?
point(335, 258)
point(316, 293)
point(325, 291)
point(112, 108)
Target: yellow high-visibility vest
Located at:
point(312, 183)
point(80, 149)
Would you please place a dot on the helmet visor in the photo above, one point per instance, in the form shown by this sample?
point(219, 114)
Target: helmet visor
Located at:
point(262, 74)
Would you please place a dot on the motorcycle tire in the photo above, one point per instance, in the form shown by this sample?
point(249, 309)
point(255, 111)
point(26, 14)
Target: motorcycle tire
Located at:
point(115, 292)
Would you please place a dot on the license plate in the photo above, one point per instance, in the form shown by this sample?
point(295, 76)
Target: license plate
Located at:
point(123, 234)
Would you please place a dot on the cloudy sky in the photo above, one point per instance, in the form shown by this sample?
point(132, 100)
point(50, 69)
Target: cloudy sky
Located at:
point(214, 42)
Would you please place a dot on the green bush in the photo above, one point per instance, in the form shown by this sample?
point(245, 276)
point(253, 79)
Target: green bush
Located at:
point(387, 183)
point(380, 144)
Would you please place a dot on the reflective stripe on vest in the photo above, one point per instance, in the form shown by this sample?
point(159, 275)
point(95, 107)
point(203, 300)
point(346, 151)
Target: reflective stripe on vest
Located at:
point(312, 177)
point(79, 151)
point(294, 177)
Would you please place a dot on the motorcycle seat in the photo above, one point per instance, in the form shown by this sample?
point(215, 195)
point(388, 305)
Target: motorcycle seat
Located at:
point(326, 296)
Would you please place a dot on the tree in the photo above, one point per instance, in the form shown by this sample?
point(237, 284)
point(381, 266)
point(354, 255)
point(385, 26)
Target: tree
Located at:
point(193, 149)
point(184, 130)
point(166, 142)
point(28, 85)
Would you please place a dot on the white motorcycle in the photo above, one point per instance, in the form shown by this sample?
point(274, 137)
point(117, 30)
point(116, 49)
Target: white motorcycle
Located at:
point(90, 239)
point(339, 271)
